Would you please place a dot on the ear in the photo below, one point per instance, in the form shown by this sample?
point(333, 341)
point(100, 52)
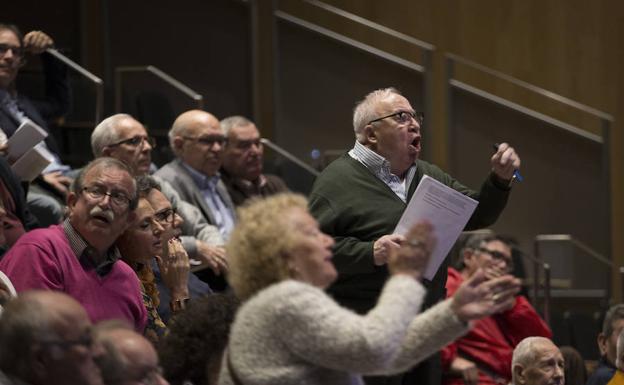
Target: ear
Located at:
point(602, 344)
point(39, 361)
point(107, 151)
point(468, 256)
point(369, 130)
point(518, 375)
point(178, 141)
point(72, 198)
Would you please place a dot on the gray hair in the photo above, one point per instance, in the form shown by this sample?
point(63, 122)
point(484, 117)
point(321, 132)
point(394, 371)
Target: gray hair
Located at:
point(106, 133)
point(620, 349)
point(105, 162)
point(615, 313)
point(365, 111)
point(526, 353)
point(234, 121)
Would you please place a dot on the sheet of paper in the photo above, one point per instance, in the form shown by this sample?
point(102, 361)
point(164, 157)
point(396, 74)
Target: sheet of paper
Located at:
point(446, 209)
point(27, 136)
point(32, 163)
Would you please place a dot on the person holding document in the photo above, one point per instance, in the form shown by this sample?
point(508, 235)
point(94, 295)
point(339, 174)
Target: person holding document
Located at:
point(360, 197)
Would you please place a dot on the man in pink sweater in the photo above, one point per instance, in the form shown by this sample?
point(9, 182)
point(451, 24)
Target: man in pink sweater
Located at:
point(78, 257)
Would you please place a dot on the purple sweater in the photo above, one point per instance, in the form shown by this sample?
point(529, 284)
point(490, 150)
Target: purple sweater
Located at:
point(43, 259)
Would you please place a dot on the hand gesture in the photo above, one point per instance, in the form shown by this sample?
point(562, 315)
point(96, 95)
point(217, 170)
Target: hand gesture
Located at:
point(384, 246)
point(58, 181)
point(174, 269)
point(213, 256)
point(504, 162)
point(36, 42)
point(413, 255)
point(466, 369)
point(478, 297)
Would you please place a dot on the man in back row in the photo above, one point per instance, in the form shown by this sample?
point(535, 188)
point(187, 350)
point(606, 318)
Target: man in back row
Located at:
point(242, 162)
point(359, 198)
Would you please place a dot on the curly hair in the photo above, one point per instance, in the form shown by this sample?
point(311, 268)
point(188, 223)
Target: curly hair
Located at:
point(197, 338)
point(260, 242)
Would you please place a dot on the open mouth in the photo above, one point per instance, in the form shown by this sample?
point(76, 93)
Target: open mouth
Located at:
point(415, 144)
point(101, 218)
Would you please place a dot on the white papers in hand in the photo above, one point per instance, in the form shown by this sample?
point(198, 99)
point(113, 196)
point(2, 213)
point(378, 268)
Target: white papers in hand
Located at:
point(27, 136)
point(32, 163)
point(446, 209)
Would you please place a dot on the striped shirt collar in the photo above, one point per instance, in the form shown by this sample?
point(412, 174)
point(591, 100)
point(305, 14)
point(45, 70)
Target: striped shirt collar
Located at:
point(86, 252)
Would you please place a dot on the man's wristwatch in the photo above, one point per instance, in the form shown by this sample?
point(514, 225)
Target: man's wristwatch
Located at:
point(178, 304)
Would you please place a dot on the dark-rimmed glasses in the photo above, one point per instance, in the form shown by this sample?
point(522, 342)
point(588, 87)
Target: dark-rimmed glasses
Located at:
point(118, 198)
point(165, 216)
point(403, 117)
point(136, 141)
point(18, 52)
point(498, 256)
point(208, 140)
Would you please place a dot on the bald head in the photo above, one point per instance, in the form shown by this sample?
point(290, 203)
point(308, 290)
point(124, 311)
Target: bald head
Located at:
point(47, 339)
point(197, 139)
point(124, 138)
point(129, 357)
point(537, 361)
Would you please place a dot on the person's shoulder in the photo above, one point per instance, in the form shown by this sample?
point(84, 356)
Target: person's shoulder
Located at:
point(336, 172)
point(42, 235)
point(169, 169)
point(283, 297)
point(601, 375)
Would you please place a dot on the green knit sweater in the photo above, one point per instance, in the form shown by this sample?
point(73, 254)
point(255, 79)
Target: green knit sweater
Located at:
point(356, 208)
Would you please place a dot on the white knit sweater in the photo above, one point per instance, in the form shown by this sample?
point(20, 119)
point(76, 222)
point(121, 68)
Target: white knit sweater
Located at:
point(294, 333)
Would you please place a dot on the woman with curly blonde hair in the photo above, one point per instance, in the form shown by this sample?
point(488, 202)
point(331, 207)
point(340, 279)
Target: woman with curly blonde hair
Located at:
point(288, 331)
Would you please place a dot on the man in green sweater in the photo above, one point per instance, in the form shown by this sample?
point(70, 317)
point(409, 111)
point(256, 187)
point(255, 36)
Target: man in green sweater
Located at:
point(359, 198)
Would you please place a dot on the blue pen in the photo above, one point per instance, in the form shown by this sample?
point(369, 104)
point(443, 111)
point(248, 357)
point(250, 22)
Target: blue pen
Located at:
point(516, 174)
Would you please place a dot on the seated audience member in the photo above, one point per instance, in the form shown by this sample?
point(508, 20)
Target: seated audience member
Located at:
point(16, 108)
point(483, 356)
point(17, 218)
point(242, 162)
point(612, 326)
point(197, 141)
point(128, 357)
point(139, 245)
point(46, 339)
point(290, 331)
point(537, 361)
point(574, 370)
point(122, 137)
point(618, 376)
point(193, 349)
point(78, 257)
point(171, 222)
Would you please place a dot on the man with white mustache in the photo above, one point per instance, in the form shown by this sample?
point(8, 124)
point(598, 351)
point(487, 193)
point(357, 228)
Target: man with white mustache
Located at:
point(78, 256)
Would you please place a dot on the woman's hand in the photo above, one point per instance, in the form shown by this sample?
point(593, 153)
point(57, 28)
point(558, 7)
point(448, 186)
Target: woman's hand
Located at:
point(478, 297)
point(174, 269)
point(413, 255)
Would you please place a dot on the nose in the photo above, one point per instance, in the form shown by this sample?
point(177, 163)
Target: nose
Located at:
point(328, 241)
point(177, 221)
point(157, 228)
point(147, 146)
point(105, 201)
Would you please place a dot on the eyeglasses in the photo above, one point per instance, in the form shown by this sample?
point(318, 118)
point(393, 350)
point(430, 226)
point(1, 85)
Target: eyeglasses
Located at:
point(247, 144)
point(136, 141)
point(403, 117)
point(118, 198)
point(165, 216)
point(209, 140)
point(18, 52)
point(498, 256)
point(85, 340)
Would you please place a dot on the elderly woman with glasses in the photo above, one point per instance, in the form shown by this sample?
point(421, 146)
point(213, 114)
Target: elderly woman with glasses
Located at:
point(288, 331)
point(152, 237)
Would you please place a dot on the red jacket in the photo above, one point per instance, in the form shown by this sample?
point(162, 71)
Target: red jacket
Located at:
point(491, 341)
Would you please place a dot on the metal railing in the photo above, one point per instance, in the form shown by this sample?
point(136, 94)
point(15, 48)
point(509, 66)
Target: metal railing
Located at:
point(119, 71)
point(99, 84)
point(574, 242)
point(289, 156)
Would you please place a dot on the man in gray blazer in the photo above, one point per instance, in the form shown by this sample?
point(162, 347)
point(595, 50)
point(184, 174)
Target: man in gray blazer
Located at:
point(197, 141)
